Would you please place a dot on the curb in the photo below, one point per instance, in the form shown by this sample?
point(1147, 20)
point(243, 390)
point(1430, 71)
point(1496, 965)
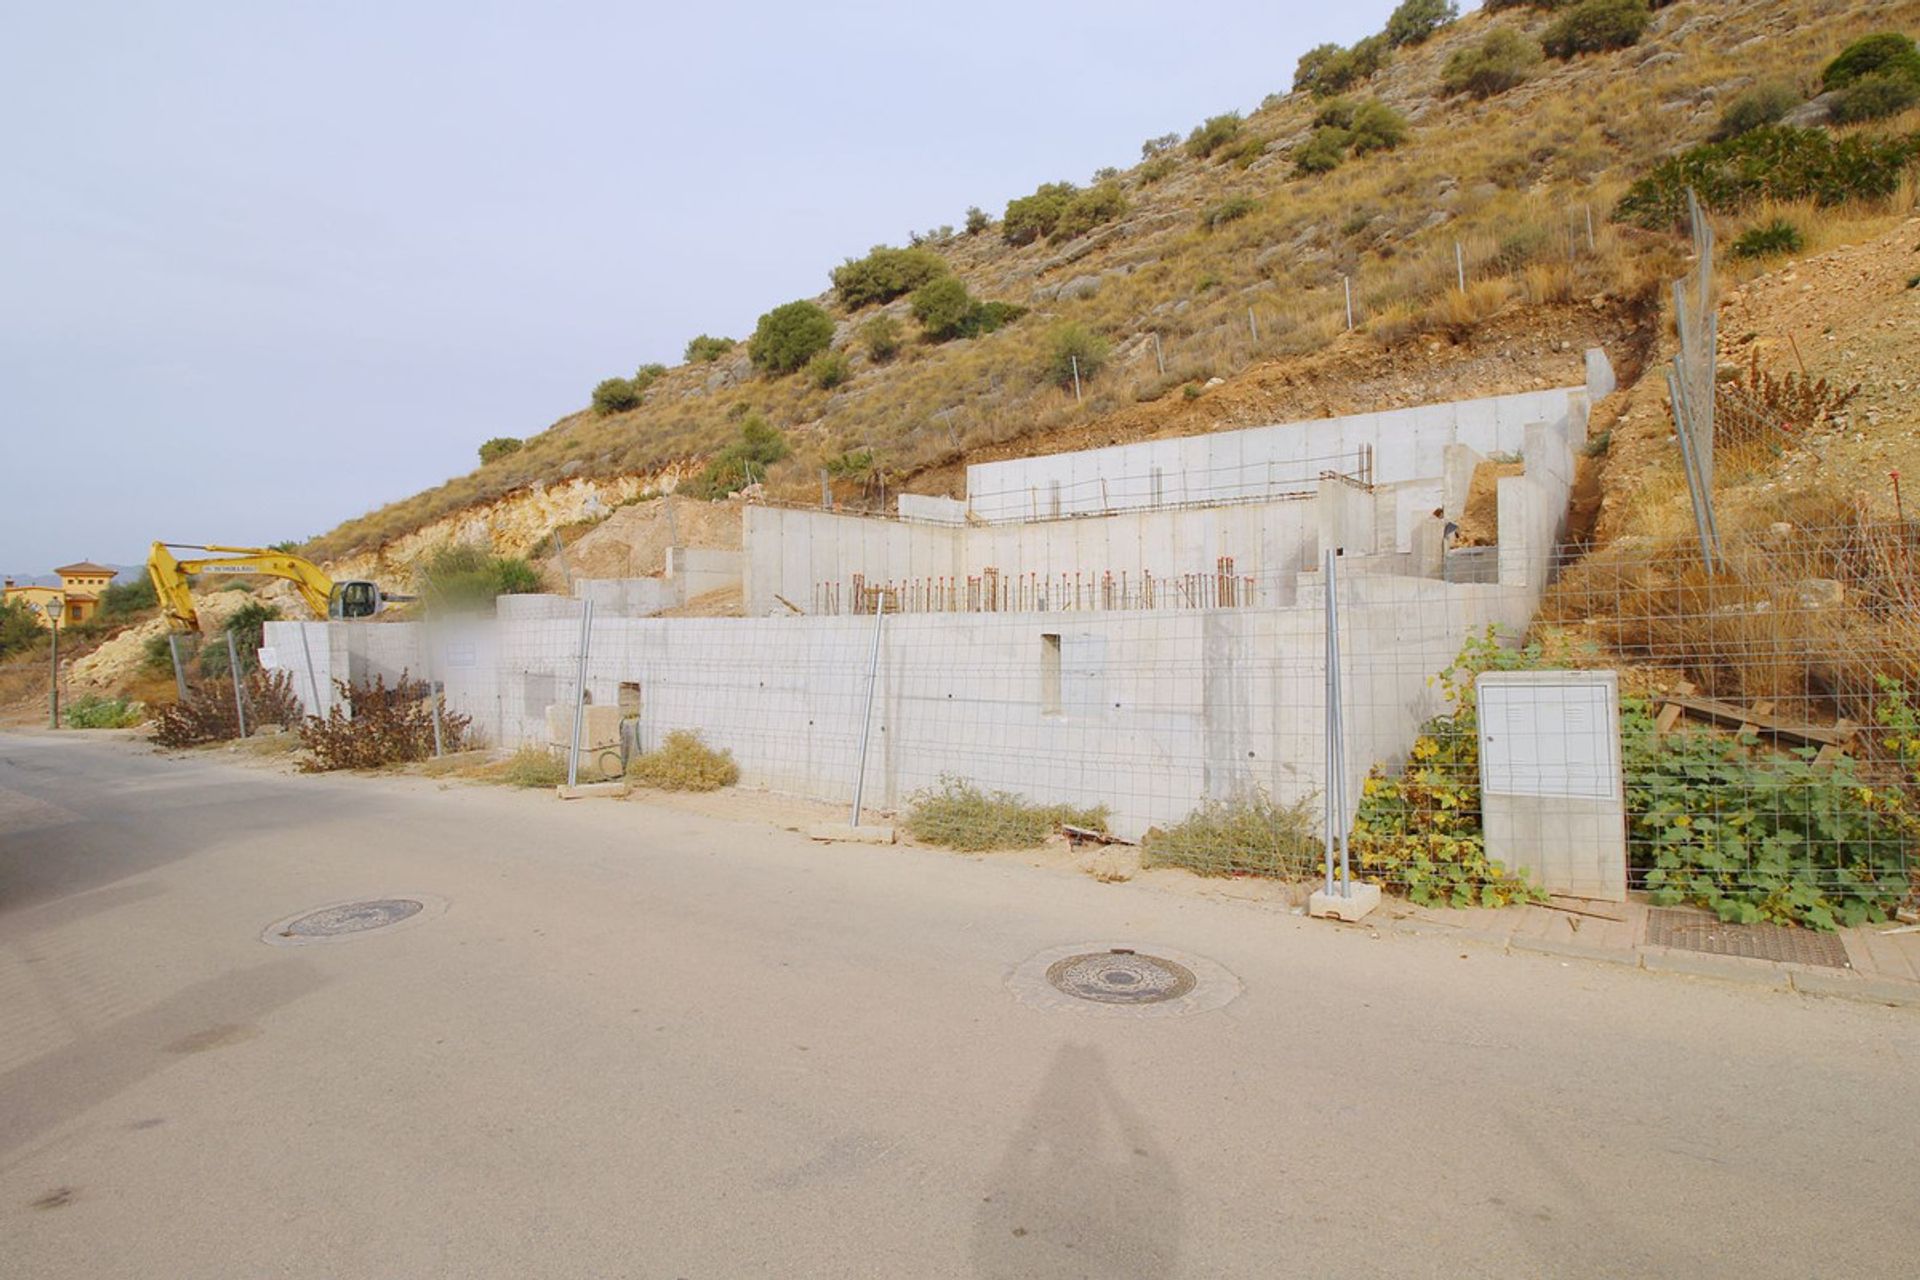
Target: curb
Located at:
point(1762, 973)
point(1577, 951)
point(1851, 986)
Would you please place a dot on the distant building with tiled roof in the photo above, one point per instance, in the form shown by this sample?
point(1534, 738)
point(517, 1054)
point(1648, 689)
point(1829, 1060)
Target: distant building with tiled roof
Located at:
point(80, 589)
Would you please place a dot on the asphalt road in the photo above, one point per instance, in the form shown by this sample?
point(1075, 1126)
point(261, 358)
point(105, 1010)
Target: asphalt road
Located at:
point(627, 1041)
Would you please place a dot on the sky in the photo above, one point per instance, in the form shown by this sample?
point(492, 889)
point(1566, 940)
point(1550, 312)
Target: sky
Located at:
point(266, 266)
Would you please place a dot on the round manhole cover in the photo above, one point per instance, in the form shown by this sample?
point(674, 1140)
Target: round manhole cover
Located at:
point(1115, 979)
point(1120, 975)
point(347, 920)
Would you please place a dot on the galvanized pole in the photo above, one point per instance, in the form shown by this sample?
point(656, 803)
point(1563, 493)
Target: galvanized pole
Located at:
point(1336, 800)
point(1460, 266)
point(1589, 209)
point(866, 720)
point(1327, 802)
point(433, 686)
point(1252, 327)
point(1347, 282)
point(313, 681)
point(580, 693)
point(1159, 358)
point(179, 672)
point(1076, 378)
point(233, 670)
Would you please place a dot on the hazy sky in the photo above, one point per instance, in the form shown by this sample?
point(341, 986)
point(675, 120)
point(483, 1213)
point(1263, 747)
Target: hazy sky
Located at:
point(266, 266)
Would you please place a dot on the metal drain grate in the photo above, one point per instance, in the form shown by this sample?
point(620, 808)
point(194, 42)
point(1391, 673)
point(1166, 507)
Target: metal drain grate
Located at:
point(353, 917)
point(1700, 931)
point(1120, 976)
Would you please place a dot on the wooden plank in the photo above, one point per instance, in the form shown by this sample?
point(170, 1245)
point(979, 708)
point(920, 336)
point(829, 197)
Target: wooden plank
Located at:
point(1765, 724)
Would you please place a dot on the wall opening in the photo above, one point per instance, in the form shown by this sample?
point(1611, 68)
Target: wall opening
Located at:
point(629, 699)
point(1049, 674)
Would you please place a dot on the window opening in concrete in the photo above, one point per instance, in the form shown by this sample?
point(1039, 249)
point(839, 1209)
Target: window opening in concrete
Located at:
point(629, 699)
point(1049, 674)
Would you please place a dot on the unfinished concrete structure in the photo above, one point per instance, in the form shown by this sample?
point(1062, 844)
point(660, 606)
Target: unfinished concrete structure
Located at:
point(1138, 627)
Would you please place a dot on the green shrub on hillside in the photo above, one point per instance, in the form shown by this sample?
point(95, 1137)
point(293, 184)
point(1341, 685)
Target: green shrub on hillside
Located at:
point(1594, 26)
point(124, 599)
point(1323, 152)
point(1876, 97)
point(1328, 69)
point(1073, 346)
point(705, 349)
point(1215, 132)
point(1887, 53)
point(20, 628)
point(743, 462)
point(1498, 63)
point(828, 370)
point(1087, 210)
point(1335, 113)
point(946, 310)
point(646, 375)
point(1776, 162)
point(977, 220)
point(1159, 146)
point(1415, 20)
point(1769, 239)
point(1376, 127)
point(1229, 210)
point(788, 336)
point(1754, 108)
point(614, 395)
point(498, 448)
point(466, 575)
point(91, 711)
point(882, 337)
point(885, 274)
point(1030, 217)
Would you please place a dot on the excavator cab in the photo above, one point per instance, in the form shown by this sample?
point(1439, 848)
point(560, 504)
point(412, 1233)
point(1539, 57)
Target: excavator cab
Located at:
point(350, 600)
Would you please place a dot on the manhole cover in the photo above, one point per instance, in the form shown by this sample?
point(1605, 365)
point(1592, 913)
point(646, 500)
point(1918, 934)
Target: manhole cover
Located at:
point(1115, 979)
point(1120, 976)
point(347, 920)
point(1698, 931)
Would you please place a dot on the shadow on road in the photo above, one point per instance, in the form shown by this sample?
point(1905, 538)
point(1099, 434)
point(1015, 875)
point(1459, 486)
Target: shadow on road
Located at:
point(221, 1011)
point(1084, 1189)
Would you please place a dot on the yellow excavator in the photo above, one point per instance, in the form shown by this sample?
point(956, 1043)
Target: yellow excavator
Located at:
point(338, 601)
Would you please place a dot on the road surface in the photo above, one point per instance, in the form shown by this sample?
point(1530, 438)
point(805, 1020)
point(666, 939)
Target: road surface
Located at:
point(623, 1040)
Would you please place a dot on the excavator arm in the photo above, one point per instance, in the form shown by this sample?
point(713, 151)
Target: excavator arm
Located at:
point(170, 577)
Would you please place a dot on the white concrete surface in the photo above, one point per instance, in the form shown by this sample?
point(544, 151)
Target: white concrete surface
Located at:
point(638, 1042)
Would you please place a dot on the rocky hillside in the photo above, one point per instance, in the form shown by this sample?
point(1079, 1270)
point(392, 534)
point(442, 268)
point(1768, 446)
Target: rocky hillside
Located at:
point(1209, 285)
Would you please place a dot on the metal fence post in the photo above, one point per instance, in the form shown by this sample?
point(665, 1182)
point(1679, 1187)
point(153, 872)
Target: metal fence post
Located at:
point(313, 681)
point(580, 693)
point(1347, 283)
point(866, 720)
point(233, 671)
point(179, 671)
point(1336, 795)
point(1159, 357)
point(1076, 378)
point(1460, 266)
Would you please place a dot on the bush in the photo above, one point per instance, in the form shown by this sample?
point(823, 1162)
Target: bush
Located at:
point(977, 220)
point(1215, 132)
point(1159, 146)
point(1030, 217)
point(743, 462)
point(1229, 210)
point(1087, 210)
point(614, 395)
point(788, 336)
point(885, 274)
point(1335, 113)
point(882, 337)
point(1328, 69)
point(684, 763)
point(121, 600)
point(1763, 104)
point(1157, 168)
point(1498, 63)
point(1248, 835)
point(1415, 20)
point(1775, 162)
point(498, 448)
point(705, 349)
point(379, 726)
point(247, 626)
point(208, 713)
point(1376, 127)
point(466, 576)
point(646, 375)
point(95, 712)
point(156, 656)
point(828, 370)
point(531, 766)
point(1876, 97)
point(945, 310)
point(1771, 238)
point(1071, 345)
point(1322, 152)
point(958, 815)
point(1889, 52)
point(1594, 26)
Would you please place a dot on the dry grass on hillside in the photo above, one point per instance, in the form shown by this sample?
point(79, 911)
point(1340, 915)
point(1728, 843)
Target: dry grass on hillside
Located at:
point(1512, 180)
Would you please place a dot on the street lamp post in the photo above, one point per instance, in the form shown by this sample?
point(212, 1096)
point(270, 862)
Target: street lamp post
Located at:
point(55, 607)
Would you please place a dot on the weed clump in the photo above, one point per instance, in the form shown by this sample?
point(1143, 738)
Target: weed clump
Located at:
point(1251, 834)
point(958, 815)
point(685, 763)
point(532, 766)
point(1768, 240)
point(1074, 350)
point(379, 726)
point(95, 712)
